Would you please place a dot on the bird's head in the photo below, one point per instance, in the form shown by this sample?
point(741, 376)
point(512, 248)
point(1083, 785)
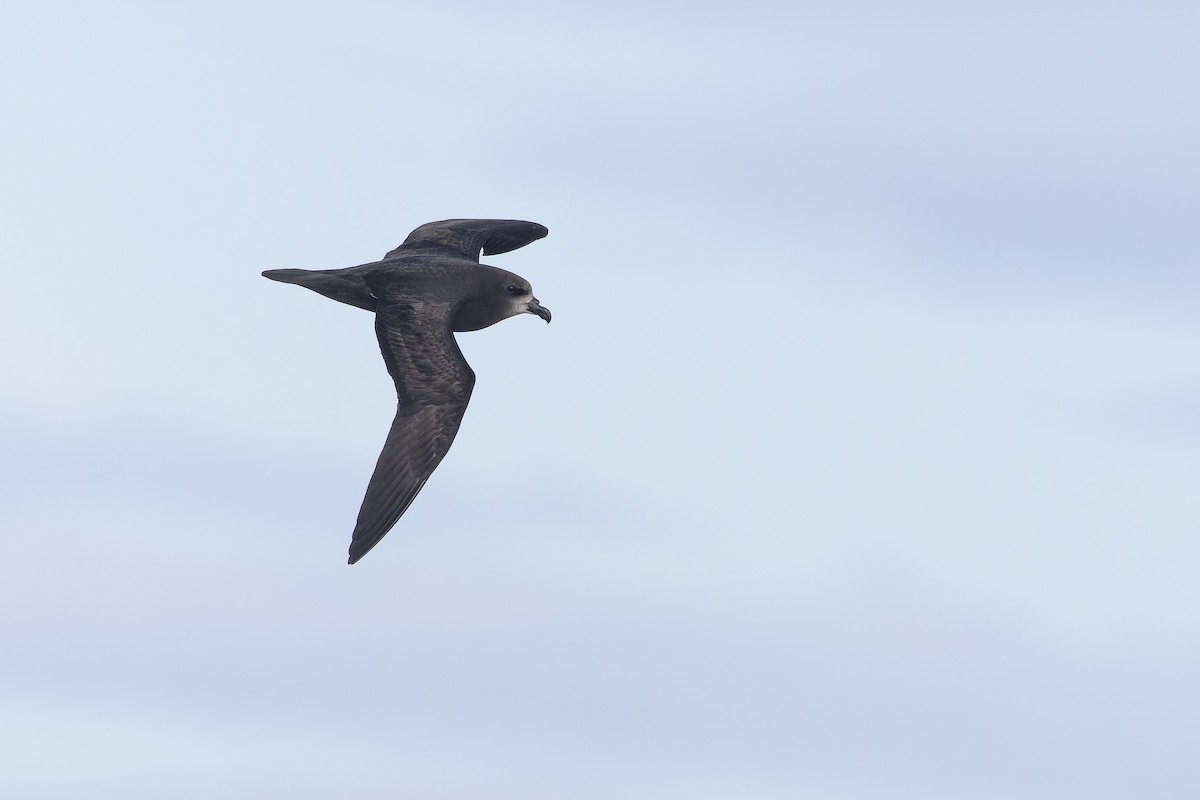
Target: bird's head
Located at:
point(498, 294)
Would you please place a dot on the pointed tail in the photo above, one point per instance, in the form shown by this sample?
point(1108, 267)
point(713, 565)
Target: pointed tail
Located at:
point(343, 285)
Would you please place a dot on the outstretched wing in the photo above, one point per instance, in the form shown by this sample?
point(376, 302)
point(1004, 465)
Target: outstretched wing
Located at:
point(433, 386)
point(467, 237)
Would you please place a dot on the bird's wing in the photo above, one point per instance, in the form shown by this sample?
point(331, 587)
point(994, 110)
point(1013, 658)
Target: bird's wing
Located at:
point(467, 237)
point(433, 386)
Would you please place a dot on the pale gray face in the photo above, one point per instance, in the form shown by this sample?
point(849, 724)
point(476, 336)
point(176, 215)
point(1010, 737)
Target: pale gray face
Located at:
point(521, 297)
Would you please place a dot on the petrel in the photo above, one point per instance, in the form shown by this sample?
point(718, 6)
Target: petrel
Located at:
point(424, 291)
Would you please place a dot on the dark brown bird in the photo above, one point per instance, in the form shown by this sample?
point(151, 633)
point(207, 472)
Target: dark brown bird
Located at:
point(422, 293)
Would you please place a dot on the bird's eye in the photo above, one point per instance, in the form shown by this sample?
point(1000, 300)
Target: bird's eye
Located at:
point(515, 289)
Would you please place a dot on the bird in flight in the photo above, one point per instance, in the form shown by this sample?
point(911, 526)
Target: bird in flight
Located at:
point(422, 293)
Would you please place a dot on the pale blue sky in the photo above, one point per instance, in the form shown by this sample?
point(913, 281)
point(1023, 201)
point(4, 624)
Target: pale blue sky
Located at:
point(859, 463)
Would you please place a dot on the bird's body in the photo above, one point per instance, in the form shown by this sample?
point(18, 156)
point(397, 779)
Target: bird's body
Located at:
point(421, 293)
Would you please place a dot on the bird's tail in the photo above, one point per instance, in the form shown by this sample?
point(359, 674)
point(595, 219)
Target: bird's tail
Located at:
point(342, 285)
point(288, 275)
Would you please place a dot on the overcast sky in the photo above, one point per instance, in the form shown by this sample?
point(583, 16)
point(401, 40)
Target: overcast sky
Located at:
point(859, 463)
